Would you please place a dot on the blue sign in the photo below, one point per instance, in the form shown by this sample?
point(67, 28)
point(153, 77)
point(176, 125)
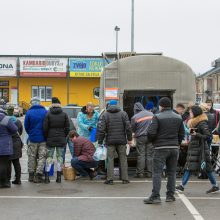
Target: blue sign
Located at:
point(86, 67)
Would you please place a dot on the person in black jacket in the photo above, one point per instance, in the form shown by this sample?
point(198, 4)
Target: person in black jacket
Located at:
point(115, 129)
point(198, 156)
point(17, 148)
point(166, 132)
point(56, 129)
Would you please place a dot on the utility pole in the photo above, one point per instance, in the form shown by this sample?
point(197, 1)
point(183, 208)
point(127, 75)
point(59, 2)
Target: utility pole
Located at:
point(132, 25)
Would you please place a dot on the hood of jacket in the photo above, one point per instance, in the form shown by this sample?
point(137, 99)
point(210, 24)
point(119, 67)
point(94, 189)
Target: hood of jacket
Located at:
point(138, 107)
point(55, 110)
point(113, 109)
point(192, 123)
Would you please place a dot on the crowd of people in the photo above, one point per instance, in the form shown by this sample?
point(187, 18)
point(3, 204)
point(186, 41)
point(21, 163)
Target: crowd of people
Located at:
point(159, 133)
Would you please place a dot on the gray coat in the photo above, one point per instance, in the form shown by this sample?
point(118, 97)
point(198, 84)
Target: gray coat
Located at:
point(141, 120)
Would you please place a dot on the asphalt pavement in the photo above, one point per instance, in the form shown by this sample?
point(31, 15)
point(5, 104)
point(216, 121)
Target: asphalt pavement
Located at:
point(93, 200)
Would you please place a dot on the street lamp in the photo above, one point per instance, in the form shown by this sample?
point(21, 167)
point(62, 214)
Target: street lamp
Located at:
point(117, 29)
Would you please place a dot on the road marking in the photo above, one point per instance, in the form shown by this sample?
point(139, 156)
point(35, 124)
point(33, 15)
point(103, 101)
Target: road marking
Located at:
point(131, 181)
point(99, 197)
point(196, 215)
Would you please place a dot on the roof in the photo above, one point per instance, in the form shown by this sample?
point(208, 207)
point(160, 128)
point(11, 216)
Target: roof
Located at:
point(209, 72)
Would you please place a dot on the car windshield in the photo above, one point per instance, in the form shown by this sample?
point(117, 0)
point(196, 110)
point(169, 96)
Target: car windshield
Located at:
point(72, 112)
point(216, 106)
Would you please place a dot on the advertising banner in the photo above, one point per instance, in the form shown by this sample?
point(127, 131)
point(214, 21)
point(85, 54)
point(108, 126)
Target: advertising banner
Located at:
point(86, 67)
point(8, 66)
point(43, 67)
point(111, 93)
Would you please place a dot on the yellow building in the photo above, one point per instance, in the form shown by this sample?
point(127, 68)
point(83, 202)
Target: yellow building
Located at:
point(50, 76)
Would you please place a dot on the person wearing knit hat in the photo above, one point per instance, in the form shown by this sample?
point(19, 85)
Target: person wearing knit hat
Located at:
point(55, 100)
point(113, 102)
point(35, 101)
point(149, 105)
point(56, 128)
point(165, 102)
point(33, 124)
point(166, 133)
point(198, 155)
point(17, 147)
point(7, 129)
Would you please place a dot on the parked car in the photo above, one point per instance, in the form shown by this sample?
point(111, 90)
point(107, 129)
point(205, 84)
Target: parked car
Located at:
point(72, 112)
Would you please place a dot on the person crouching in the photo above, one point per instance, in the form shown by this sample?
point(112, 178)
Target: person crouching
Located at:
point(83, 156)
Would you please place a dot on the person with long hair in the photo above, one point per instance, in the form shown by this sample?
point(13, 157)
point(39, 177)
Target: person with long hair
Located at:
point(198, 156)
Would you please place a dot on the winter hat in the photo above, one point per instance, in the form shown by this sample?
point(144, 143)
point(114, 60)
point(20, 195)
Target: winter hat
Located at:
point(204, 107)
point(196, 110)
point(55, 100)
point(10, 110)
point(150, 105)
point(35, 101)
point(113, 102)
point(165, 102)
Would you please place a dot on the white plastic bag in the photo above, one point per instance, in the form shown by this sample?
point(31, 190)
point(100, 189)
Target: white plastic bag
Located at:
point(100, 153)
point(127, 149)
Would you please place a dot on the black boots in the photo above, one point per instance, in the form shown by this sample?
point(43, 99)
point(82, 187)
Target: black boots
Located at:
point(58, 180)
point(16, 182)
point(47, 180)
point(5, 184)
point(31, 177)
point(38, 178)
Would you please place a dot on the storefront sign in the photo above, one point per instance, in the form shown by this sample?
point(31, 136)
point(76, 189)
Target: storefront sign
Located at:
point(43, 67)
point(8, 66)
point(86, 67)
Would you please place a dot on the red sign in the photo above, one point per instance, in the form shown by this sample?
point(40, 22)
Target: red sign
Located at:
point(42, 74)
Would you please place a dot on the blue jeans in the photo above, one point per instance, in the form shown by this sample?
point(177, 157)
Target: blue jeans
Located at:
point(82, 166)
point(187, 175)
point(162, 157)
point(71, 148)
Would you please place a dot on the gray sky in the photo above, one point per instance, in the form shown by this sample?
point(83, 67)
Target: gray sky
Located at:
point(187, 30)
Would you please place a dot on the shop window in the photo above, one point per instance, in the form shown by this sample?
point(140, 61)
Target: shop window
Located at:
point(43, 92)
point(96, 92)
point(4, 83)
point(4, 94)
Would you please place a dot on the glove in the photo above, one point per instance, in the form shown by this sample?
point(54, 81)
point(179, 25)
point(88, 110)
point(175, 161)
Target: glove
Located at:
point(90, 128)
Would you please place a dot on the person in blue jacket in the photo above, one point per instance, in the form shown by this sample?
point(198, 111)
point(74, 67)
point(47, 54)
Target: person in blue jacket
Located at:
point(7, 129)
point(87, 120)
point(37, 150)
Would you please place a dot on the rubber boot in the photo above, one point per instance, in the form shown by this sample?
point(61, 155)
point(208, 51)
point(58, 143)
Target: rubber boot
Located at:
point(58, 180)
point(47, 180)
point(31, 177)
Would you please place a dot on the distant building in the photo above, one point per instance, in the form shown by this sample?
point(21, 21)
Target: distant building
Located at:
point(208, 84)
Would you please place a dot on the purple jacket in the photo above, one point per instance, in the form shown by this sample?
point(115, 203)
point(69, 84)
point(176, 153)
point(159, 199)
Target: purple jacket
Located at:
point(7, 129)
